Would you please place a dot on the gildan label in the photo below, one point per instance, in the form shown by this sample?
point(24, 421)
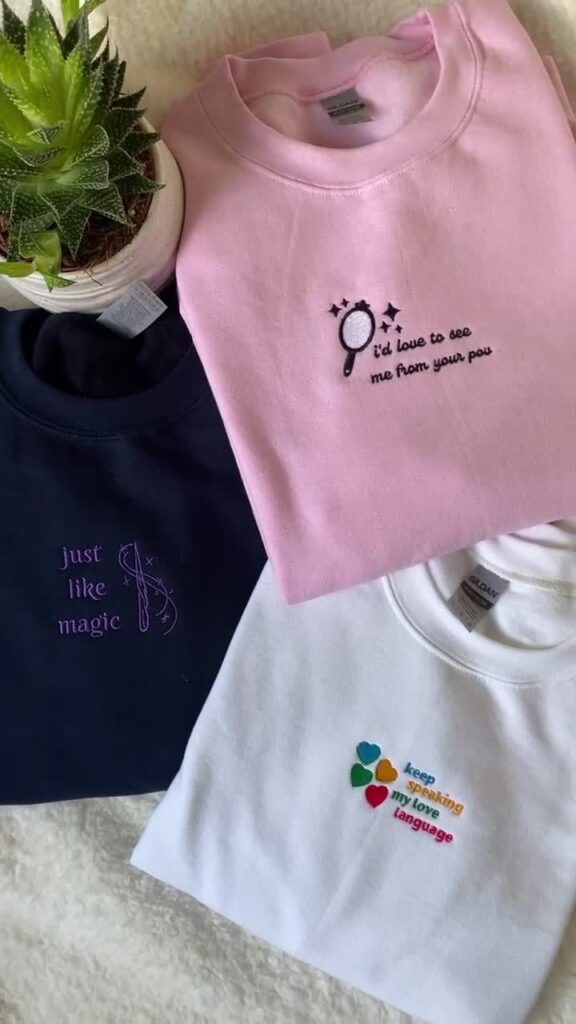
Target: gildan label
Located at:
point(346, 107)
point(476, 596)
point(136, 310)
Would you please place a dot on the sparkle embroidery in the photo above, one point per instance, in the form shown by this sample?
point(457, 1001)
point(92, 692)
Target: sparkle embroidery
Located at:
point(149, 589)
point(391, 312)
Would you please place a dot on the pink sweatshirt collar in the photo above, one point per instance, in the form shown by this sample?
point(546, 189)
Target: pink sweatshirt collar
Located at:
point(235, 79)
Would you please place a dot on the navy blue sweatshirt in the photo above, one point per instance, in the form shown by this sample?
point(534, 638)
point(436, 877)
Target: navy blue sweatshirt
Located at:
point(127, 553)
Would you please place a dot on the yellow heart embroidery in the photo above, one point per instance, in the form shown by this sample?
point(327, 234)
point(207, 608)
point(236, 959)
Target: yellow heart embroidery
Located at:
point(386, 772)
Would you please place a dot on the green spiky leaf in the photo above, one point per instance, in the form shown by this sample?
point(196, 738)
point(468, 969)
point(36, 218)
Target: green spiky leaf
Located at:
point(90, 174)
point(14, 28)
point(60, 200)
point(42, 222)
point(5, 196)
point(105, 55)
point(20, 243)
point(98, 39)
point(53, 281)
point(92, 5)
point(88, 104)
point(12, 249)
point(70, 11)
point(30, 105)
point(138, 142)
point(77, 70)
point(74, 27)
point(47, 134)
point(45, 250)
point(11, 175)
point(110, 70)
point(25, 206)
point(109, 203)
point(38, 243)
point(43, 51)
point(131, 101)
point(97, 143)
point(13, 124)
point(36, 158)
point(11, 167)
point(48, 264)
point(120, 79)
point(72, 225)
point(119, 123)
point(121, 164)
point(71, 38)
point(13, 69)
point(137, 184)
point(14, 268)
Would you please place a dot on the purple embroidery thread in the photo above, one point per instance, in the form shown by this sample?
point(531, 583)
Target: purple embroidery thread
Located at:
point(143, 616)
point(145, 582)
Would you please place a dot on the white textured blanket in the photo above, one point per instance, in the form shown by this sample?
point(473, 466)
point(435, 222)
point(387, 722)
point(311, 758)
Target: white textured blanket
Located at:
point(83, 938)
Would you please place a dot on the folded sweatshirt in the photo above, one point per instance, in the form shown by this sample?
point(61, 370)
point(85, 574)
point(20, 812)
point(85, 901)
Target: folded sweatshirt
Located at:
point(387, 796)
point(127, 551)
point(376, 265)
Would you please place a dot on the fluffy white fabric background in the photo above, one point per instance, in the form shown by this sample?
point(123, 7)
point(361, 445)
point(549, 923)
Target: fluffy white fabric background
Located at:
point(83, 938)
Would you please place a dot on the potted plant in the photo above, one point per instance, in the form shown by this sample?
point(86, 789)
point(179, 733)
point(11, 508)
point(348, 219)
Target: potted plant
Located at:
point(91, 200)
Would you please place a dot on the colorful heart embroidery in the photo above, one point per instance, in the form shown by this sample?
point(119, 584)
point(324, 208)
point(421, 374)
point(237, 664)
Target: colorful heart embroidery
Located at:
point(368, 752)
point(414, 804)
point(376, 795)
point(386, 772)
point(359, 775)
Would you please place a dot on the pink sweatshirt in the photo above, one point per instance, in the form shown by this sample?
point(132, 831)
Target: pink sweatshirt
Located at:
point(377, 268)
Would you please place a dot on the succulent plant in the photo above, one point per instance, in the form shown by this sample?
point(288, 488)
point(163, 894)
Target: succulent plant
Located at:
point(71, 143)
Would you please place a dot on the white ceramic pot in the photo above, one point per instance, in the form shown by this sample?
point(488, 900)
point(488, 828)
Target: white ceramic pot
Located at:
point(149, 257)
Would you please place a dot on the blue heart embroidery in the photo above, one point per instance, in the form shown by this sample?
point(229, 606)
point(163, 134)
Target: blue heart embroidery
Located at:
point(368, 752)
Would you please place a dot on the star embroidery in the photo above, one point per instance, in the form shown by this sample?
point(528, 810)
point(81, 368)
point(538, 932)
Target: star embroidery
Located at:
point(334, 309)
point(126, 581)
point(344, 303)
point(392, 312)
point(165, 619)
point(399, 329)
point(384, 327)
point(150, 561)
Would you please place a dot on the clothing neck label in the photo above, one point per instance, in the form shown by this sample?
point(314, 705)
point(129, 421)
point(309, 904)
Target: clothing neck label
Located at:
point(476, 595)
point(346, 107)
point(136, 310)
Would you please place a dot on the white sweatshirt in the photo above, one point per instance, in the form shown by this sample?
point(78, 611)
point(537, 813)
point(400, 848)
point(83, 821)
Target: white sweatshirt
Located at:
point(388, 797)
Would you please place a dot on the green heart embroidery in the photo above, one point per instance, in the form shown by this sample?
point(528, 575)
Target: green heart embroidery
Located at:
point(359, 775)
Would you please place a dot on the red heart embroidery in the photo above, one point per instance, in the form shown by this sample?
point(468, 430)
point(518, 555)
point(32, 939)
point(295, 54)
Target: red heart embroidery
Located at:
point(376, 795)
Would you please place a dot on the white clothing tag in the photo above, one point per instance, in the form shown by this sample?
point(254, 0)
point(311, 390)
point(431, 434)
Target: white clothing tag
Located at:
point(477, 594)
point(346, 107)
point(136, 310)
